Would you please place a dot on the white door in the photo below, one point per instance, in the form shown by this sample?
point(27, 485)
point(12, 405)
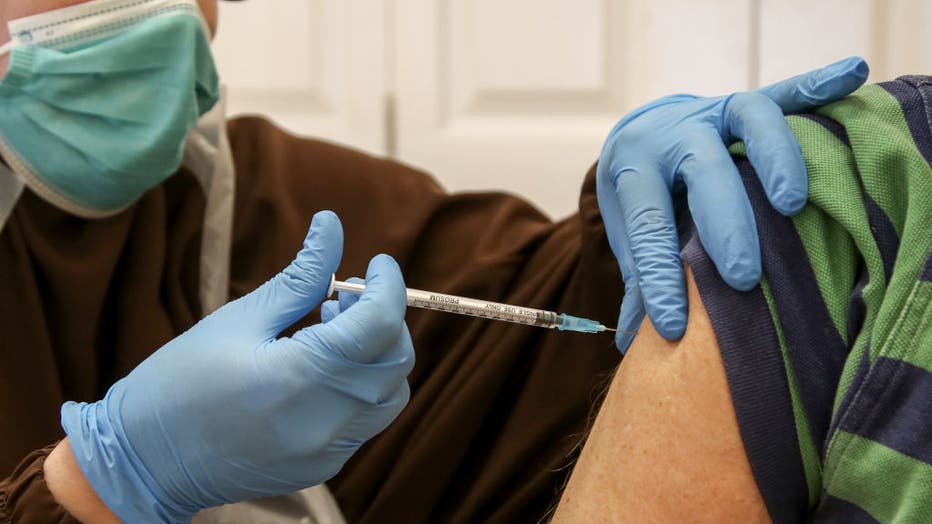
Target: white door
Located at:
point(798, 35)
point(317, 67)
point(520, 94)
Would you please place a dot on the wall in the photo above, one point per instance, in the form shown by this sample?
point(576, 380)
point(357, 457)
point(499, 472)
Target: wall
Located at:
point(517, 95)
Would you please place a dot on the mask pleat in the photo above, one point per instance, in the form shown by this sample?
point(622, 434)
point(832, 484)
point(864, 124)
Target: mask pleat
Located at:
point(104, 121)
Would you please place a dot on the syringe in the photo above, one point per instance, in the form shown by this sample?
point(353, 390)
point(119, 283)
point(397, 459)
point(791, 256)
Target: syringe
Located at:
point(482, 308)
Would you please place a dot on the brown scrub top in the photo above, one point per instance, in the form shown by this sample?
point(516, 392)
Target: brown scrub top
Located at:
point(497, 410)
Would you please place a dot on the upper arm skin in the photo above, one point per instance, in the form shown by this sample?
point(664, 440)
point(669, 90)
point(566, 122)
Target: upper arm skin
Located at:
point(665, 446)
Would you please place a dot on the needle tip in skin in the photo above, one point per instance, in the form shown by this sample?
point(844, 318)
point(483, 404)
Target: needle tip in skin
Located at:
point(625, 331)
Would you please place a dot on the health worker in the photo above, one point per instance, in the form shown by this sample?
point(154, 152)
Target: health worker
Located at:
point(103, 101)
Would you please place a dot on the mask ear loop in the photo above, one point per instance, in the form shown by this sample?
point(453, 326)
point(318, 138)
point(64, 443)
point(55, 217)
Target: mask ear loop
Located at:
point(5, 48)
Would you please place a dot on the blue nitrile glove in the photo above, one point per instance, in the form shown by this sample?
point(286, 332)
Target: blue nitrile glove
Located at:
point(331, 308)
point(227, 411)
point(682, 140)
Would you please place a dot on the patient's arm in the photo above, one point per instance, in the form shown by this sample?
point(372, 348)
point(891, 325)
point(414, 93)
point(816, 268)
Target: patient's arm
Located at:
point(665, 446)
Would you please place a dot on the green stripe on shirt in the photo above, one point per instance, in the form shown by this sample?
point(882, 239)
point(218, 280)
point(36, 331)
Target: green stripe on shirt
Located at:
point(888, 485)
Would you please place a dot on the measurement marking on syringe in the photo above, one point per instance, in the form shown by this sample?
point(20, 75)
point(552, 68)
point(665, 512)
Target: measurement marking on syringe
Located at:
point(484, 309)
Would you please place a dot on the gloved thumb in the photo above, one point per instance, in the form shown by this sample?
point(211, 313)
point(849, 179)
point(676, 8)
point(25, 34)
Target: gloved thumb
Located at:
point(300, 287)
point(818, 87)
point(368, 328)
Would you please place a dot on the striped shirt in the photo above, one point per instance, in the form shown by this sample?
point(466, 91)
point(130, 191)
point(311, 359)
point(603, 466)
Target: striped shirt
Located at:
point(829, 360)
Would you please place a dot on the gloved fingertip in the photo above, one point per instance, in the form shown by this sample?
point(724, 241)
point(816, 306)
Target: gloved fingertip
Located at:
point(385, 281)
point(322, 217)
point(853, 66)
point(348, 299)
point(322, 248)
point(329, 310)
point(840, 79)
point(623, 340)
point(673, 325)
point(68, 412)
point(860, 68)
point(790, 202)
point(743, 275)
point(324, 224)
point(382, 261)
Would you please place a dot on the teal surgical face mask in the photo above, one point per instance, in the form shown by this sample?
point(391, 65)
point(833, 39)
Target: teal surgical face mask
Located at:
point(100, 96)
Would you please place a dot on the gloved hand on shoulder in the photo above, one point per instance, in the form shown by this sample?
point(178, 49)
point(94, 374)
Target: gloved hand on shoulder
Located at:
point(680, 143)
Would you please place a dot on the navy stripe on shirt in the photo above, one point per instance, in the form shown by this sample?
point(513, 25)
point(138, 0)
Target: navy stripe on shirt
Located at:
point(860, 374)
point(894, 407)
point(817, 351)
point(833, 510)
point(831, 125)
point(926, 274)
point(856, 312)
point(913, 92)
point(758, 383)
point(888, 242)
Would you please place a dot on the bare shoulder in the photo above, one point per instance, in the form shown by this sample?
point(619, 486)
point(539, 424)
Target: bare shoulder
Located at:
point(665, 446)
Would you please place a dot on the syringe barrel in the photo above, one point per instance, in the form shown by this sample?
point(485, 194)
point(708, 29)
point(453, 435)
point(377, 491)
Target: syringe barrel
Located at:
point(464, 306)
point(482, 308)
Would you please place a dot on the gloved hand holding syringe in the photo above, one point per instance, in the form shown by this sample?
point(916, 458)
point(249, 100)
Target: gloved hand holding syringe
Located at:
point(485, 309)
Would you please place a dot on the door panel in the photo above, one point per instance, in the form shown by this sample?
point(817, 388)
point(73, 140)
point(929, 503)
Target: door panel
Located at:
point(518, 95)
point(317, 67)
point(799, 35)
point(905, 28)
